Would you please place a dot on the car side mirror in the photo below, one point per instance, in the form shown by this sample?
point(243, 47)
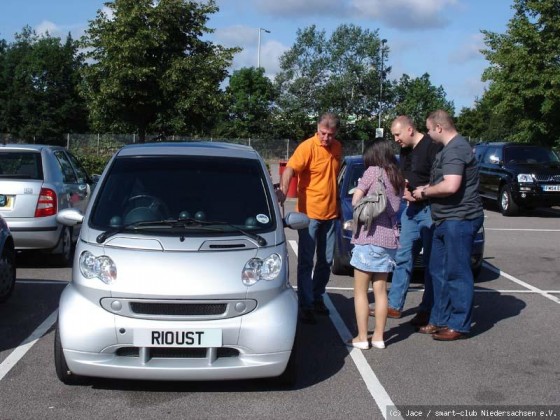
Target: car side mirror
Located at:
point(296, 220)
point(69, 217)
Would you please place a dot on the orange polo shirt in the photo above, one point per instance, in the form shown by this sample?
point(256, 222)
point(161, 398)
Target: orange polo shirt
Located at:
point(317, 169)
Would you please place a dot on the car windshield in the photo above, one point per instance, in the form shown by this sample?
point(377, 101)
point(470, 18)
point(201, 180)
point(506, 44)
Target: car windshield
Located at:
point(20, 165)
point(223, 194)
point(521, 154)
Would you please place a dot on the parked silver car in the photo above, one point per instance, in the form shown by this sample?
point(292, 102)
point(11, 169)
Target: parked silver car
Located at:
point(181, 270)
point(36, 182)
point(7, 261)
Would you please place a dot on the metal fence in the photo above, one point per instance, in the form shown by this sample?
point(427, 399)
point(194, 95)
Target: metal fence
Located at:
point(108, 144)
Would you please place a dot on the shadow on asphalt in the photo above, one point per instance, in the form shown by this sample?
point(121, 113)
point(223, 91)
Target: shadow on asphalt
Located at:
point(489, 308)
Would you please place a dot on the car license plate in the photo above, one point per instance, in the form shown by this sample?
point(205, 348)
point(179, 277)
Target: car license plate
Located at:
point(551, 188)
point(6, 201)
point(177, 338)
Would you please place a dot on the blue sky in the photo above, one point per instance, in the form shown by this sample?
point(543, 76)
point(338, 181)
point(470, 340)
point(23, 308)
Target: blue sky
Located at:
point(439, 37)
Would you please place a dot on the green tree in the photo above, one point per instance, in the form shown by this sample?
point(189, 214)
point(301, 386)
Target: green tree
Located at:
point(39, 99)
point(339, 74)
point(250, 96)
point(149, 68)
point(482, 123)
point(525, 72)
point(417, 97)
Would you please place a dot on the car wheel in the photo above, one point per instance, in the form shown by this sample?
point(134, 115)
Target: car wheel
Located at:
point(7, 274)
point(65, 248)
point(62, 370)
point(506, 203)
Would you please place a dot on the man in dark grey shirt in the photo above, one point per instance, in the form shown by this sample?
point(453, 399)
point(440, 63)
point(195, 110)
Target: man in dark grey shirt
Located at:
point(458, 214)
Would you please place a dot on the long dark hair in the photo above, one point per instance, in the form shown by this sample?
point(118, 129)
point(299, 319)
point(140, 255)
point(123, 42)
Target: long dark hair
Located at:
point(379, 152)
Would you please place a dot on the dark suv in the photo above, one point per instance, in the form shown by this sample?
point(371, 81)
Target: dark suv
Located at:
point(518, 175)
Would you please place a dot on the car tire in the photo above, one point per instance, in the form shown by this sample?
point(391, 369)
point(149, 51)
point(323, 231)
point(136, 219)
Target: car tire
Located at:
point(62, 371)
point(505, 202)
point(7, 274)
point(65, 248)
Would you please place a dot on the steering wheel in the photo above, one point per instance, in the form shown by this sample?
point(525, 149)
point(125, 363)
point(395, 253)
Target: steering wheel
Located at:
point(148, 202)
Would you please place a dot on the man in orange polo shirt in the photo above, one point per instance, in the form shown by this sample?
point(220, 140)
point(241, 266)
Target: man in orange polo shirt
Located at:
point(316, 161)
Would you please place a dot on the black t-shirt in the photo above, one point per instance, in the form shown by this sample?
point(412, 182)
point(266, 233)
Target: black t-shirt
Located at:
point(416, 163)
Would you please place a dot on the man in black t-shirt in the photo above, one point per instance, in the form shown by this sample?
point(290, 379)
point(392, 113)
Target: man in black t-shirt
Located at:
point(416, 157)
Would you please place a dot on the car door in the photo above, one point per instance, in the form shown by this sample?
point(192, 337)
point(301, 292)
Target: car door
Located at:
point(491, 172)
point(76, 186)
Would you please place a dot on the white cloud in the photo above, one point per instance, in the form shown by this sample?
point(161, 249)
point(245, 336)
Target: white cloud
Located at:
point(469, 51)
point(48, 27)
point(299, 8)
point(405, 14)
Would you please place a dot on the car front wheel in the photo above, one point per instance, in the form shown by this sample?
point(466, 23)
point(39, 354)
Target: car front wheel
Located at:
point(506, 203)
point(7, 274)
point(62, 371)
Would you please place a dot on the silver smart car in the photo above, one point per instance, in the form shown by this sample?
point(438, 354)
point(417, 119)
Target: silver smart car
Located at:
point(180, 271)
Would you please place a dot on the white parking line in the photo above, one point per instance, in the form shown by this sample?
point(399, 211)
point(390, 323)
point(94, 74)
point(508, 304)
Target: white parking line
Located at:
point(521, 282)
point(373, 385)
point(16, 355)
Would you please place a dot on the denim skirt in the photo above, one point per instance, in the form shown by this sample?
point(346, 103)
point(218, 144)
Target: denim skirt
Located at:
point(373, 259)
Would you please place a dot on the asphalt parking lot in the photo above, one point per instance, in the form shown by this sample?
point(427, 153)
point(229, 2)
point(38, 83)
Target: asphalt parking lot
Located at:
point(510, 361)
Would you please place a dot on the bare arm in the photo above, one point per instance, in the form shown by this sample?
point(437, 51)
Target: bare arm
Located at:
point(449, 186)
point(358, 194)
point(287, 176)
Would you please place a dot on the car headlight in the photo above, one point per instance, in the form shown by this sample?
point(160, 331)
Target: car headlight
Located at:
point(101, 267)
point(524, 178)
point(258, 269)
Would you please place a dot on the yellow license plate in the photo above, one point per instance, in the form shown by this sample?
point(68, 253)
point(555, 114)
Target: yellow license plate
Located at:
point(6, 202)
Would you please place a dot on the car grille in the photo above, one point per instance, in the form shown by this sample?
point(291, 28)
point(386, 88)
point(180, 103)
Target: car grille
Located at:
point(152, 308)
point(177, 353)
point(548, 178)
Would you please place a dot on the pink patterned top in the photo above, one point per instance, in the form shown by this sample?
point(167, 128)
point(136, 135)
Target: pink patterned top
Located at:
point(384, 231)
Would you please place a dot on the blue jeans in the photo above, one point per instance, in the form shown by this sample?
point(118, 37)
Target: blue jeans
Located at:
point(416, 232)
point(450, 266)
point(312, 281)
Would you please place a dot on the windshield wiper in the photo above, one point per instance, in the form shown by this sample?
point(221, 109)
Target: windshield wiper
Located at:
point(172, 223)
point(102, 237)
point(260, 240)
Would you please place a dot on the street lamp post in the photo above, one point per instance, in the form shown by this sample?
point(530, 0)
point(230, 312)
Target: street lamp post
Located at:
point(383, 41)
point(259, 47)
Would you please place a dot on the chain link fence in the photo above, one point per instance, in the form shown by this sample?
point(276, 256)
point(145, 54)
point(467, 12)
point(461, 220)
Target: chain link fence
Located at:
point(108, 144)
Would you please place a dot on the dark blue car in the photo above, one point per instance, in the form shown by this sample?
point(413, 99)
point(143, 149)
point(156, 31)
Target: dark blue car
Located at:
point(351, 171)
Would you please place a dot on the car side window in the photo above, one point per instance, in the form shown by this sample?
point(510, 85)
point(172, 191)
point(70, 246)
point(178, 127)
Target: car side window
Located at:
point(82, 174)
point(493, 155)
point(68, 173)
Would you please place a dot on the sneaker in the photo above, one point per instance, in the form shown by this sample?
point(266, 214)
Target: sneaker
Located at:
point(320, 308)
point(420, 319)
point(306, 316)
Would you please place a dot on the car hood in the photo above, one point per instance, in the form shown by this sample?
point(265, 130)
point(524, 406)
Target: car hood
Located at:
point(549, 168)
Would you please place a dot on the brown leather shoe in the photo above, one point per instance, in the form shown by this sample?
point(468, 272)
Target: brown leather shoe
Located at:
point(430, 329)
point(391, 313)
point(420, 319)
point(448, 334)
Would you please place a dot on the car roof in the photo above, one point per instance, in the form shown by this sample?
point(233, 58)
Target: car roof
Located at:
point(26, 146)
point(354, 159)
point(507, 144)
point(204, 148)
